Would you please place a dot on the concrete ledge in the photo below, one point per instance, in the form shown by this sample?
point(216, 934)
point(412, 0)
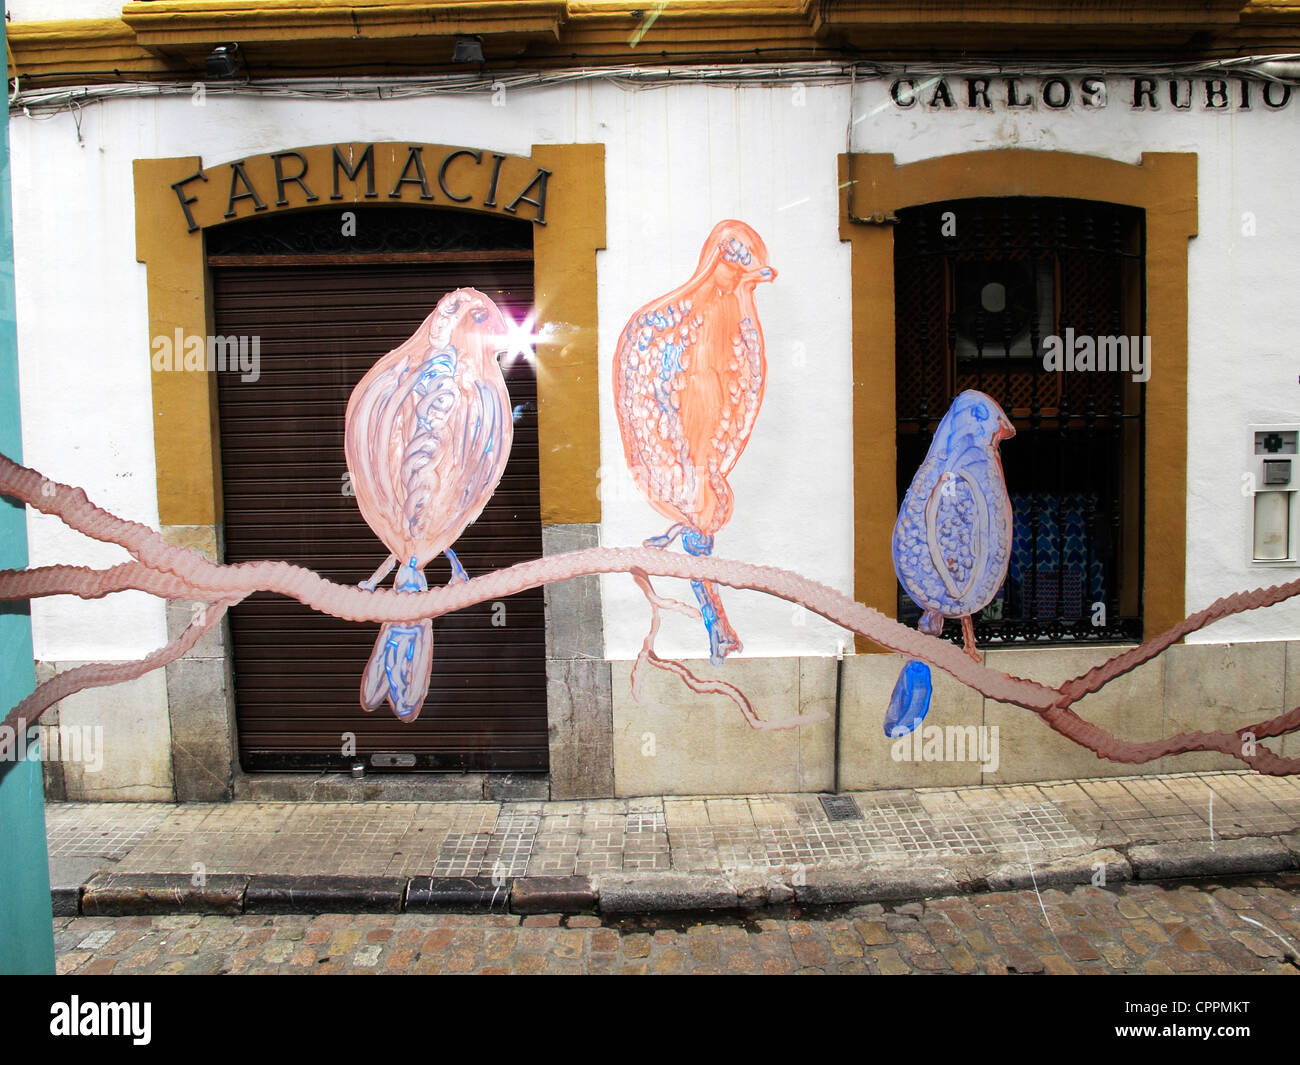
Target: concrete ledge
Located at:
point(828, 887)
point(123, 894)
point(67, 877)
point(1073, 870)
point(1210, 858)
point(553, 894)
point(457, 894)
point(664, 892)
point(391, 787)
point(324, 894)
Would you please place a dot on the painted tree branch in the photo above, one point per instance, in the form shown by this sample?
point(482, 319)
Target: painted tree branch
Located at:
point(176, 572)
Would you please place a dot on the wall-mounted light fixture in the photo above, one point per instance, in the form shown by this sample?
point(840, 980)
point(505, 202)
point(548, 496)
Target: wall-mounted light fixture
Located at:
point(468, 50)
point(224, 61)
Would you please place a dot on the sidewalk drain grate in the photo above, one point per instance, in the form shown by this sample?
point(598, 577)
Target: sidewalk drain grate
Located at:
point(840, 808)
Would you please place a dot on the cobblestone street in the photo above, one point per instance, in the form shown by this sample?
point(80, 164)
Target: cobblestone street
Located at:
point(1247, 926)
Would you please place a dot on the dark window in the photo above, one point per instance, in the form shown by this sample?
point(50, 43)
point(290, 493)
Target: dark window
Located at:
point(982, 288)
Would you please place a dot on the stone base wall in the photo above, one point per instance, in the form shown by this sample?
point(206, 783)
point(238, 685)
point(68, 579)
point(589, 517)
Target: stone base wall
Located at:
point(677, 743)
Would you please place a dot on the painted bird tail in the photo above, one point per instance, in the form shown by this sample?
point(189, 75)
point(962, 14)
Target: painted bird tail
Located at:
point(722, 637)
point(400, 666)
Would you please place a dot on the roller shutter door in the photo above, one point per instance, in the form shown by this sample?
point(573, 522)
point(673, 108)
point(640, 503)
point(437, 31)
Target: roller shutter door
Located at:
point(296, 672)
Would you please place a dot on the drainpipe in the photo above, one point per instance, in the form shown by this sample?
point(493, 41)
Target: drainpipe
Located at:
point(26, 920)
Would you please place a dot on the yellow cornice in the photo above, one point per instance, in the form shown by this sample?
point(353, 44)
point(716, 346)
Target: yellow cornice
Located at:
point(73, 51)
point(171, 23)
point(578, 10)
point(288, 38)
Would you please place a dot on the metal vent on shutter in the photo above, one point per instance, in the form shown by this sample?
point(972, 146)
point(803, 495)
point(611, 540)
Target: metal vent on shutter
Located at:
point(297, 673)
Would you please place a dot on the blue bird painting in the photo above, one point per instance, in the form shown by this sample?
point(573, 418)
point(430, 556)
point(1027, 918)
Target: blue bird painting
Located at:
point(952, 540)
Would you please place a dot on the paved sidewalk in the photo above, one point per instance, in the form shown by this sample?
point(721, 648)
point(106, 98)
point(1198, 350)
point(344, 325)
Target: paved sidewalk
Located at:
point(650, 855)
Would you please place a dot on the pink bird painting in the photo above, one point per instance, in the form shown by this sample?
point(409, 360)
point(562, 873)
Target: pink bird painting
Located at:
point(688, 383)
point(427, 435)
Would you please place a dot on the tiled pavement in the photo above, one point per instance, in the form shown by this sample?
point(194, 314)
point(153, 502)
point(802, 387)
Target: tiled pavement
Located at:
point(934, 827)
point(1250, 926)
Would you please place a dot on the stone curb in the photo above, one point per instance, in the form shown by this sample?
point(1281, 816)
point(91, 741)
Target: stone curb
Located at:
point(457, 894)
point(1102, 866)
point(324, 894)
point(111, 894)
point(666, 892)
point(553, 894)
point(829, 887)
point(133, 894)
point(1255, 854)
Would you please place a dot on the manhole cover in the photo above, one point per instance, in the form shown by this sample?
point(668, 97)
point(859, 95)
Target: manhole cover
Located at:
point(841, 808)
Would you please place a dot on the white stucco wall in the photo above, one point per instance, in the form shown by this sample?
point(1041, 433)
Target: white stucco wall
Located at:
point(678, 160)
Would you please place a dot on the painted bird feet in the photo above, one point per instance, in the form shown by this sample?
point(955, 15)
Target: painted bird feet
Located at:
point(722, 642)
point(667, 539)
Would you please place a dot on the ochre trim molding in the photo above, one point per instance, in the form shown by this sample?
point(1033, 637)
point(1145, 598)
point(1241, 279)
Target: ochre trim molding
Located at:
point(178, 23)
point(186, 435)
point(1164, 185)
point(303, 38)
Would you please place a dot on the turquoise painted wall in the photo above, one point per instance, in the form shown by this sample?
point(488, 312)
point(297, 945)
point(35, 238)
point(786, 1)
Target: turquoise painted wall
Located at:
point(26, 928)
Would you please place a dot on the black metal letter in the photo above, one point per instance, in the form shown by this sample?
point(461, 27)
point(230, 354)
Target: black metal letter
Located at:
point(442, 173)
point(367, 160)
point(281, 181)
point(177, 186)
point(414, 155)
point(539, 181)
point(237, 175)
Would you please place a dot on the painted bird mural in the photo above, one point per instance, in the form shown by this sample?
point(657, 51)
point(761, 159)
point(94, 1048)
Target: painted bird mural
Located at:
point(427, 435)
point(688, 383)
point(952, 540)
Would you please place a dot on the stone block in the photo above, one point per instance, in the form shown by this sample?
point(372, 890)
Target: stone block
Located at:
point(579, 718)
point(206, 539)
point(199, 703)
point(574, 622)
point(677, 742)
point(816, 765)
point(1290, 745)
point(869, 759)
point(119, 741)
point(1219, 687)
point(212, 644)
point(1129, 707)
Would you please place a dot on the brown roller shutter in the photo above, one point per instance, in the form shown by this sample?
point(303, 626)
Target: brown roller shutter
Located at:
point(296, 672)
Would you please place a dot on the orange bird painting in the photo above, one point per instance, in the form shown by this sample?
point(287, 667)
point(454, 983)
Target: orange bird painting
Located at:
point(427, 436)
point(688, 383)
